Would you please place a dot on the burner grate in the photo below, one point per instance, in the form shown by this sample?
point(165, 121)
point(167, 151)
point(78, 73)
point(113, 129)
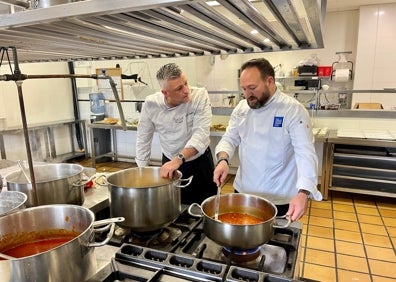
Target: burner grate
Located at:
point(241, 255)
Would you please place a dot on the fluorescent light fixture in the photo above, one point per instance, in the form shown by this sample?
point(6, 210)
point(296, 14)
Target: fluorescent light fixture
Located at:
point(212, 3)
point(267, 40)
point(254, 31)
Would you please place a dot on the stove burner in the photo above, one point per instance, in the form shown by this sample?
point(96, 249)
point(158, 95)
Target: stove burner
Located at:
point(162, 237)
point(147, 235)
point(238, 256)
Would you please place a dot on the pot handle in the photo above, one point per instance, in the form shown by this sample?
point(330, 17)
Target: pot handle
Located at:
point(94, 178)
point(192, 212)
point(80, 183)
point(107, 224)
point(286, 225)
point(188, 182)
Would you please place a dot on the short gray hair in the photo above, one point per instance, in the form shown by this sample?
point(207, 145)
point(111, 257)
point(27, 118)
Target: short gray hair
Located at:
point(168, 71)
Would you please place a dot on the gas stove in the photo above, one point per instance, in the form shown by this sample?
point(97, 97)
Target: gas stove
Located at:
point(182, 252)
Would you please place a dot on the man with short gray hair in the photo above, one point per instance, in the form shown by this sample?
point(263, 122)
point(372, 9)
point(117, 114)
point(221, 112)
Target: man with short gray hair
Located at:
point(181, 115)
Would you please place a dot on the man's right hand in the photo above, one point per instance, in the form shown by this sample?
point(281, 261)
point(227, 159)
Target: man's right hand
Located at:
point(220, 173)
point(168, 168)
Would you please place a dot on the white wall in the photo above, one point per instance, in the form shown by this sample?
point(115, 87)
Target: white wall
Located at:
point(45, 100)
point(376, 60)
point(50, 100)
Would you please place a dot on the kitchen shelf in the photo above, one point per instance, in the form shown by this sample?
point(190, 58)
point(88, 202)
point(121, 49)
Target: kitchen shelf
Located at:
point(43, 139)
point(362, 166)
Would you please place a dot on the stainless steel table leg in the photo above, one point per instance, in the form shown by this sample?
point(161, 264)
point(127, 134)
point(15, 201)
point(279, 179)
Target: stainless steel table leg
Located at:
point(114, 141)
point(2, 147)
point(92, 147)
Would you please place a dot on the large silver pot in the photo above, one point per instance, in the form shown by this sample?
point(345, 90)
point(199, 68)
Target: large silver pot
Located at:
point(73, 261)
point(55, 184)
point(145, 199)
point(242, 237)
point(11, 201)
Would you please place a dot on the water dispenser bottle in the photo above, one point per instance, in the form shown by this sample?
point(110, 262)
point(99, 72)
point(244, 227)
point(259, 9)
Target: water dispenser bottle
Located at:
point(97, 105)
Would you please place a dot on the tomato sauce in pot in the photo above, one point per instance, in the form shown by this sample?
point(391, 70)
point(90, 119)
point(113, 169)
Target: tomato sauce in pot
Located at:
point(38, 242)
point(239, 218)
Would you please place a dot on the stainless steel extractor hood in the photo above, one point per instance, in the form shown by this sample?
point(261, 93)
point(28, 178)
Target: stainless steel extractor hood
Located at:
point(117, 29)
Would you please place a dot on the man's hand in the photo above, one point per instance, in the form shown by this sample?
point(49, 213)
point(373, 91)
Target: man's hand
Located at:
point(298, 206)
point(220, 173)
point(169, 168)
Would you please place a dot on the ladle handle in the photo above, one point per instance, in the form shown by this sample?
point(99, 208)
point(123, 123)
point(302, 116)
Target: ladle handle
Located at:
point(217, 203)
point(23, 171)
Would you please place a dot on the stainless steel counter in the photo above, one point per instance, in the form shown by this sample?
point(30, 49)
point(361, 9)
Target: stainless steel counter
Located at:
point(334, 139)
point(97, 198)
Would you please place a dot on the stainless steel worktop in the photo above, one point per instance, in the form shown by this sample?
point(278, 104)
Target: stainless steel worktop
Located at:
point(333, 138)
point(96, 198)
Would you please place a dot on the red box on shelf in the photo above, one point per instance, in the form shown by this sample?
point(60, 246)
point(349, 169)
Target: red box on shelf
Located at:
point(324, 70)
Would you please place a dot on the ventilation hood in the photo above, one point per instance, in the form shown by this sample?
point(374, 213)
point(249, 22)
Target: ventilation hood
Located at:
point(124, 29)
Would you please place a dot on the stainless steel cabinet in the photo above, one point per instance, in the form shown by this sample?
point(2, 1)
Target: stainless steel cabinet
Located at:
point(361, 166)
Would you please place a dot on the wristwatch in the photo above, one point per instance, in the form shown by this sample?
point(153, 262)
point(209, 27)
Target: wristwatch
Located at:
point(181, 157)
point(223, 159)
point(306, 192)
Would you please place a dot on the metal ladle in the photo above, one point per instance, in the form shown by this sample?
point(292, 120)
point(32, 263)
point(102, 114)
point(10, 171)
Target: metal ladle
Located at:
point(217, 203)
point(24, 172)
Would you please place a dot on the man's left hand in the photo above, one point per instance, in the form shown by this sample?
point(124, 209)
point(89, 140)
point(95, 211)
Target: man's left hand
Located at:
point(169, 168)
point(297, 206)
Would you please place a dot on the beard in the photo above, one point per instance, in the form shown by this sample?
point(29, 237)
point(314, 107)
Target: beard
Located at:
point(257, 103)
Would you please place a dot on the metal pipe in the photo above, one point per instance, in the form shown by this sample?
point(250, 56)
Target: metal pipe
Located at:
point(93, 76)
point(117, 98)
point(27, 142)
point(75, 105)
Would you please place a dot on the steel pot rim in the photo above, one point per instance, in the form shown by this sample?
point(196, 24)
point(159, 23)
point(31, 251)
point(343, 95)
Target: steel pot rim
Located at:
point(244, 195)
point(14, 176)
point(102, 225)
point(177, 178)
point(212, 198)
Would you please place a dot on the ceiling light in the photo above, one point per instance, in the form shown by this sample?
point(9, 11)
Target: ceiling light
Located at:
point(267, 40)
point(254, 31)
point(212, 3)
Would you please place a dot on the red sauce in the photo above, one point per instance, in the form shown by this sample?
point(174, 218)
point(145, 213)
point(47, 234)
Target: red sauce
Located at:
point(37, 246)
point(239, 218)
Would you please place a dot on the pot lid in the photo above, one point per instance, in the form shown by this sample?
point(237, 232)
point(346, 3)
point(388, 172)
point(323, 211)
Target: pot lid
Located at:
point(10, 201)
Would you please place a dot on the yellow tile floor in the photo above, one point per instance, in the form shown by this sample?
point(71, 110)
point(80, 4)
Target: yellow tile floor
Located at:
point(349, 237)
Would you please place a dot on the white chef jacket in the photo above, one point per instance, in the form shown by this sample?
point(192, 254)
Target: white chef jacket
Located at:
point(184, 126)
point(276, 149)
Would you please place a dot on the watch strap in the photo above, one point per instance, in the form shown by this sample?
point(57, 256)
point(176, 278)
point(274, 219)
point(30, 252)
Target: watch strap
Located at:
point(306, 192)
point(223, 159)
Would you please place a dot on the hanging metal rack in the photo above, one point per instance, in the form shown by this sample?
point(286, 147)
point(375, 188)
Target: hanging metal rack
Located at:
point(17, 76)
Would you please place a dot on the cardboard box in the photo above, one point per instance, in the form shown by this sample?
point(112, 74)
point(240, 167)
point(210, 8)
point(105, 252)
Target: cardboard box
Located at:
point(368, 106)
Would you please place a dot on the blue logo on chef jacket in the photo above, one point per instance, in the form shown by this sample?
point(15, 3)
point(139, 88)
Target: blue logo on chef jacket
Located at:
point(278, 122)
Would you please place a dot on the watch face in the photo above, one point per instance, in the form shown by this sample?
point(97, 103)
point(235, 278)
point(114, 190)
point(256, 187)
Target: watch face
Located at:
point(181, 156)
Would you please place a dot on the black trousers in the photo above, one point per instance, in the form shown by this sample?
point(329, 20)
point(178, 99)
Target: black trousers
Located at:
point(202, 185)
